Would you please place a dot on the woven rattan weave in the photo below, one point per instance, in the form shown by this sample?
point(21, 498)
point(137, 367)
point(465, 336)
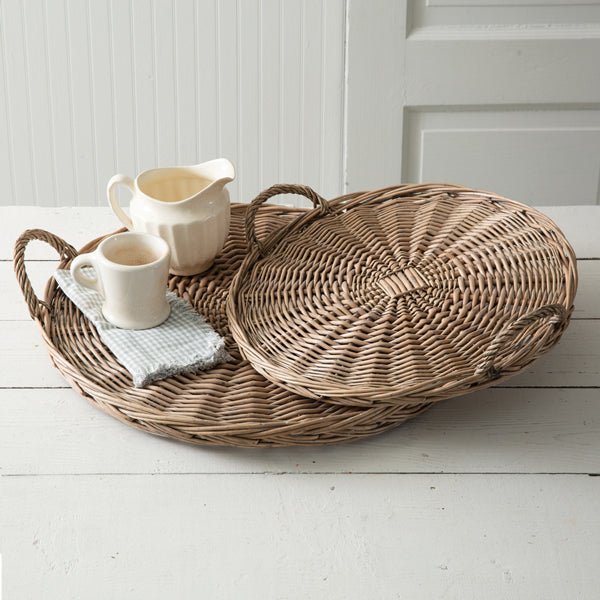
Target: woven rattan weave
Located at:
point(229, 405)
point(412, 293)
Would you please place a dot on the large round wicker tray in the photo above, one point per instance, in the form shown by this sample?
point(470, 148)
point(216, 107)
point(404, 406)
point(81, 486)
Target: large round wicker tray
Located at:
point(408, 294)
point(230, 405)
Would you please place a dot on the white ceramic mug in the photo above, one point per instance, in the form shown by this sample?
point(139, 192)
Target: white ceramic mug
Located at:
point(132, 271)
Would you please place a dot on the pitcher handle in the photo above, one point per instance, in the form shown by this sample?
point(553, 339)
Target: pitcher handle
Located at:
point(112, 197)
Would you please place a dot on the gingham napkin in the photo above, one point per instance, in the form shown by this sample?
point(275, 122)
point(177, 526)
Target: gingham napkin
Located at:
point(184, 343)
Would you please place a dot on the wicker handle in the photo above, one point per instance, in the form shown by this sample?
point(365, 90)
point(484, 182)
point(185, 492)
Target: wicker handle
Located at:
point(37, 307)
point(275, 190)
point(557, 315)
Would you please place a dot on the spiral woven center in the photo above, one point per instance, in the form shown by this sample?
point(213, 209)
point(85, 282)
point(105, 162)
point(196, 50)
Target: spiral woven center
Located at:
point(403, 282)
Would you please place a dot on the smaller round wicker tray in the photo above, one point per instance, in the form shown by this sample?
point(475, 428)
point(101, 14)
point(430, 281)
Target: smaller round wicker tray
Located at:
point(408, 294)
point(229, 405)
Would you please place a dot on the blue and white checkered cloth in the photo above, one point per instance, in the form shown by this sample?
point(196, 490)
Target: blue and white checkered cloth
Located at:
point(184, 343)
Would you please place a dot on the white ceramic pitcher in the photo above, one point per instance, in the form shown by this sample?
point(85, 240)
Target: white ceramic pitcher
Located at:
point(188, 207)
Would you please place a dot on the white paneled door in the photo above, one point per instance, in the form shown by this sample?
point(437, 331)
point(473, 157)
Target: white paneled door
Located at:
point(495, 94)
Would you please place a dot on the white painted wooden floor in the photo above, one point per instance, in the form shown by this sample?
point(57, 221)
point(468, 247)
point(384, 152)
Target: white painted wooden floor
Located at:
point(492, 495)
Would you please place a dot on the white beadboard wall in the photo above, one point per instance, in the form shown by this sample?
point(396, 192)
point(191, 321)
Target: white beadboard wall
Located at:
point(90, 88)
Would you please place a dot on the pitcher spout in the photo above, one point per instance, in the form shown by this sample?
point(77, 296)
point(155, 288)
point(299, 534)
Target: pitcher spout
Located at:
point(219, 171)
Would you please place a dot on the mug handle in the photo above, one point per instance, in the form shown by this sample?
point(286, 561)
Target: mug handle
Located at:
point(112, 197)
point(85, 260)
